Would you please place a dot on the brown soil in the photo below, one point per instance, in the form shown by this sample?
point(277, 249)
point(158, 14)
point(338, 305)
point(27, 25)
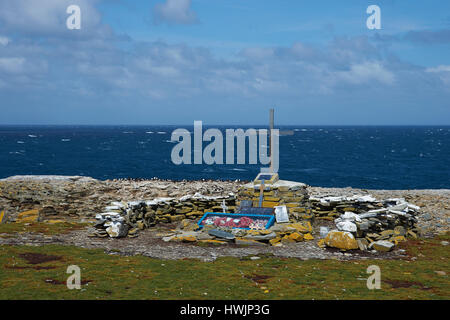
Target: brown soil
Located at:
point(36, 258)
point(405, 284)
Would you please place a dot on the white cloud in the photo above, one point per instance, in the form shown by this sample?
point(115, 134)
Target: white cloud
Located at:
point(367, 72)
point(443, 72)
point(12, 65)
point(174, 12)
point(441, 68)
point(4, 41)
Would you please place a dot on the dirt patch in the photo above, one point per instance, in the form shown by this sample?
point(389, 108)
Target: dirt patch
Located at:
point(36, 258)
point(395, 284)
point(29, 267)
point(258, 278)
point(55, 282)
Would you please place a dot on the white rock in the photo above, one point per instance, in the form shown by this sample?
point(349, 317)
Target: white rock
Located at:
point(346, 226)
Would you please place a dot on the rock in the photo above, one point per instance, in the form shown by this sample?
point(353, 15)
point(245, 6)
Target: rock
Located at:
point(444, 243)
point(188, 225)
point(302, 227)
point(241, 241)
point(274, 241)
point(382, 245)
point(28, 216)
point(221, 234)
point(363, 226)
point(239, 232)
point(213, 241)
point(308, 236)
point(3, 217)
point(187, 238)
point(116, 229)
point(440, 273)
point(426, 217)
point(412, 233)
point(346, 226)
point(297, 237)
point(321, 243)
point(133, 231)
point(348, 216)
point(323, 232)
point(261, 237)
point(399, 230)
point(140, 224)
point(341, 240)
point(398, 239)
point(362, 244)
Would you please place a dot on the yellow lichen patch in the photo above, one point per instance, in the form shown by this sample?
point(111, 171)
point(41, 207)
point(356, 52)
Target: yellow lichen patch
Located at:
point(243, 241)
point(308, 236)
point(321, 243)
point(29, 213)
point(341, 240)
point(303, 227)
point(297, 237)
point(398, 239)
point(188, 239)
point(28, 216)
point(2, 216)
point(213, 241)
point(269, 204)
point(274, 241)
point(54, 221)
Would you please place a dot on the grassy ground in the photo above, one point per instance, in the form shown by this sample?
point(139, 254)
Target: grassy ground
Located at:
point(30, 272)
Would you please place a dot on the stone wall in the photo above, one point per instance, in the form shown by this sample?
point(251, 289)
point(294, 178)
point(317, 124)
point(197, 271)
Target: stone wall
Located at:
point(293, 195)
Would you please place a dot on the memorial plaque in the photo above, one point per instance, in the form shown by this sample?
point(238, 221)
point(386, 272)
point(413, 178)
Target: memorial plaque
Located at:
point(281, 214)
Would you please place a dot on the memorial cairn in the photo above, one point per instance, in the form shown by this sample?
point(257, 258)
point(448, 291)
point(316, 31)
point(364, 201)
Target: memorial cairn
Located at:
point(356, 222)
point(227, 220)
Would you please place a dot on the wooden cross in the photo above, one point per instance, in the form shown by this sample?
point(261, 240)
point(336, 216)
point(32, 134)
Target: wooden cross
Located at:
point(281, 133)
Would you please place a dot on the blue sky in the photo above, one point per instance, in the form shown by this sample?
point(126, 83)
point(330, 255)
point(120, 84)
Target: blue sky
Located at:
point(224, 62)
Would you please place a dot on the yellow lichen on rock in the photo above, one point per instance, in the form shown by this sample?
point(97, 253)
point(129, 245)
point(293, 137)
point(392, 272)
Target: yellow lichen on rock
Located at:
point(274, 240)
point(308, 236)
point(341, 240)
point(28, 216)
point(213, 241)
point(297, 237)
point(321, 243)
point(187, 238)
point(2, 216)
point(398, 239)
point(303, 226)
point(54, 221)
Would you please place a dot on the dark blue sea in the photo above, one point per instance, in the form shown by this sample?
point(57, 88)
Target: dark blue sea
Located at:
point(328, 156)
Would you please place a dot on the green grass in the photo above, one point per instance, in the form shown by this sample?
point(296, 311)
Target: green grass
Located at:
point(138, 277)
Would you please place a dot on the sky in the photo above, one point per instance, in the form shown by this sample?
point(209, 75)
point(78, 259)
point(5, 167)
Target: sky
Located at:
point(224, 62)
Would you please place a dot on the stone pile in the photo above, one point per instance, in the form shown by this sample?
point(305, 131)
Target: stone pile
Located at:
point(380, 229)
point(276, 235)
point(138, 215)
point(293, 195)
point(330, 208)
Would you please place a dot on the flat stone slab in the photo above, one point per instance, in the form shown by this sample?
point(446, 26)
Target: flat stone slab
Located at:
point(221, 234)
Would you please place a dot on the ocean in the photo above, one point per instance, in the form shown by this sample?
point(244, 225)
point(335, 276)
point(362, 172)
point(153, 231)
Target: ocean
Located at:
point(372, 157)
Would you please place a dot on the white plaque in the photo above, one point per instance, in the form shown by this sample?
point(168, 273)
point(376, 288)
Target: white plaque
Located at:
point(281, 214)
